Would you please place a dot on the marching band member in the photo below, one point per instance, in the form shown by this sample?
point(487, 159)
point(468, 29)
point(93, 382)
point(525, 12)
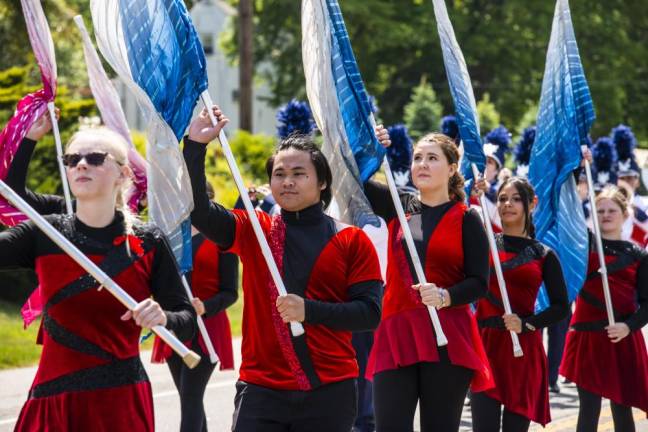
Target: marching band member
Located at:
point(406, 364)
point(331, 273)
point(520, 382)
point(602, 360)
point(90, 376)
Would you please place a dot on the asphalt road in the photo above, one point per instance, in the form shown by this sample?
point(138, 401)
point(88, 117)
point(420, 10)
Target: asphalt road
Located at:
point(220, 394)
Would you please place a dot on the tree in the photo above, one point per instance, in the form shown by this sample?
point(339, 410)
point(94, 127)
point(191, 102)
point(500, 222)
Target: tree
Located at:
point(423, 113)
point(504, 43)
point(246, 64)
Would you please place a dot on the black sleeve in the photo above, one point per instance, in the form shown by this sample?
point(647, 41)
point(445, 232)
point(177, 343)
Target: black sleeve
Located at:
point(554, 283)
point(360, 313)
point(18, 246)
point(213, 220)
point(476, 269)
point(640, 317)
point(168, 291)
point(228, 265)
point(381, 202)
point(17, 179)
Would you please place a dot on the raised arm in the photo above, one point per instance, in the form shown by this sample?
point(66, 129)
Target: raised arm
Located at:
point(211, 219)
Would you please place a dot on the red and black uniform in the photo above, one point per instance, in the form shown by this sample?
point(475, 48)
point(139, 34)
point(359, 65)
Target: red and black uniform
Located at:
point(214, 280)
point(599, 367)
point(90, 376)
point(405, 362)
point(307, 382)
point(520, 382)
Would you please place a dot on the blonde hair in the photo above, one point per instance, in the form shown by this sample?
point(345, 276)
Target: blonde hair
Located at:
point(456, 183)
point(117, 147)
point(616, 195)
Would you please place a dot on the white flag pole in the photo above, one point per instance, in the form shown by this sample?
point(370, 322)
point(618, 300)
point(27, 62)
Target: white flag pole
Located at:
point(213, 357)
point(517, 348)
point(296, 328)
point(409, 241)
point(59, 153)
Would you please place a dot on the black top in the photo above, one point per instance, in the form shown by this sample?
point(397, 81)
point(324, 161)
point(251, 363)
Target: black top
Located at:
point(228, 265)
point(552, 277)
point(307, 233)
point(22, 244)
point(167, 289)
point(424, 220)
point(629, 251)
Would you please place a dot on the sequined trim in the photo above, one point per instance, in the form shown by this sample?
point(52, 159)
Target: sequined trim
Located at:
point(114, 374)
point(70, 340)
point(277, 240)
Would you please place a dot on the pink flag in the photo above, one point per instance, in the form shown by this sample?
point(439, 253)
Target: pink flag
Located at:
point(32, 106)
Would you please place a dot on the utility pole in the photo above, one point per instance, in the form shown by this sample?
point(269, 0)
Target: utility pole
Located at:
point(246, 64)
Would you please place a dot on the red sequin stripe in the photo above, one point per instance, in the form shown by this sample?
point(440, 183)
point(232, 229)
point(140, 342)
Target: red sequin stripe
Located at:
point(277, 243)
point(403, 264)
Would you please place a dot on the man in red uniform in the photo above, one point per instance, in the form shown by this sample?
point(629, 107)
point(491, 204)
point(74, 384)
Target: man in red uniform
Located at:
point(331, 273)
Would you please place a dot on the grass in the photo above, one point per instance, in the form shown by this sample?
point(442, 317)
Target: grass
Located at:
point(18, 347)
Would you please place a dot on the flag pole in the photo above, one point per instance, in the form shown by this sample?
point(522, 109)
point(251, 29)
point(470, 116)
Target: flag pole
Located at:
point(599, 243)
point(213, 357)
point(409, 241)
point(296, 328)
point(517, 348)
point(59, 153)
point(190, 358)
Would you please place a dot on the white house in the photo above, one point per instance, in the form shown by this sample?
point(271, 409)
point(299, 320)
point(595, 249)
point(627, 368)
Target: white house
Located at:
point(210, 18)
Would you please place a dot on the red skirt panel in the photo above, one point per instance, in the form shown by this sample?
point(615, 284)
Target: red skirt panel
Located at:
point(408, 337)
point(220, 334)
point(615, 371)
point(127, 408)
point(521, 383)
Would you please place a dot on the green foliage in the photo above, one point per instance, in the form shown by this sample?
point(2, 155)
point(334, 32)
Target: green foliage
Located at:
point(529, 118)
point(489, 118)
point(504, 43)
point(423, 113)
point(18, 347)
point(252, 151)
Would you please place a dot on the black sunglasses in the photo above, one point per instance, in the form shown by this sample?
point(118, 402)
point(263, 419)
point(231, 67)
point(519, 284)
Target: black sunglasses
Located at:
point(95, 159)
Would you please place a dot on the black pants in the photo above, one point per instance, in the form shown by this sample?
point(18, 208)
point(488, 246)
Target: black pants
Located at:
point(365, 421)
point(440, 388)
point(590, 410)
point(555, 346)
point(329, 408)
point(191, 384)
point(487, 416)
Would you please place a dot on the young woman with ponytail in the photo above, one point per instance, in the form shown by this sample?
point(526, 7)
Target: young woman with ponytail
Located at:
point(521, 386)
point(610, 361)
point(90, 376)
point(406, 364)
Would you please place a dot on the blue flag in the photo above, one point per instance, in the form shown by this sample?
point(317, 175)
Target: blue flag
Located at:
point(164, 66)
point(565, 116)
point(341, 108)
point(462, 92)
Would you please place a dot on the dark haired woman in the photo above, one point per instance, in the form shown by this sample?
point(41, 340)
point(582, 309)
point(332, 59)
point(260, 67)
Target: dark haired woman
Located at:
point(214, 284)
point(331, 273)
point(90, 376)
point(406, 364)
point(520, 382)
point(610, 361)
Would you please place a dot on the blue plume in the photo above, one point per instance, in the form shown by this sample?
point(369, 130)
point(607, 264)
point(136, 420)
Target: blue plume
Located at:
point(450, 128)
point(625, 142)
point(399, 154)
point(295, 116)
point(605, 157)
point(522, 151)
point(499, 137)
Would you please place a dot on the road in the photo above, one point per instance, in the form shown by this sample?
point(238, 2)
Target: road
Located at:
point(220, 394)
